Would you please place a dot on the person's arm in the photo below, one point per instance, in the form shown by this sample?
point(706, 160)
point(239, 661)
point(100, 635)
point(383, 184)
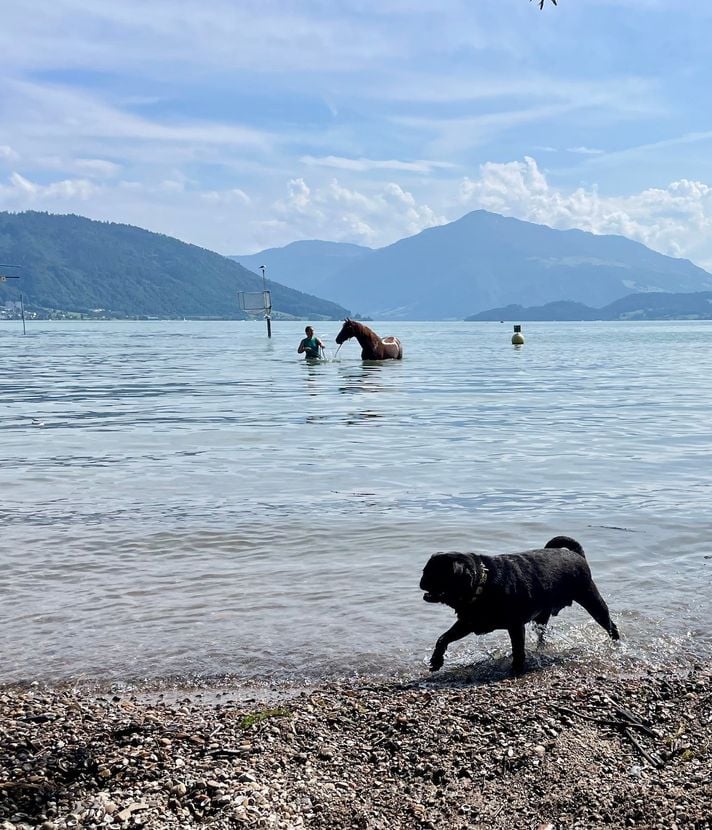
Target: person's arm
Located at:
point(300, 348)
point(321, 345)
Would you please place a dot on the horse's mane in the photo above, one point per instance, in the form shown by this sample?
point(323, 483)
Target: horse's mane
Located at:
point(357, 326)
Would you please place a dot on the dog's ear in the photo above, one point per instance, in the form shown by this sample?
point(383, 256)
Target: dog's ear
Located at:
point(458, 569)
point(463, 577)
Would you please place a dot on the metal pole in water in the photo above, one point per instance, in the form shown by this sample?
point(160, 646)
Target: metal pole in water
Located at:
point(264, 294)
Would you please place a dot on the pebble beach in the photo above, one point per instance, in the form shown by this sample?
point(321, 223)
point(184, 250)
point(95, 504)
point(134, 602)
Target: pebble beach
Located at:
point(551, 749)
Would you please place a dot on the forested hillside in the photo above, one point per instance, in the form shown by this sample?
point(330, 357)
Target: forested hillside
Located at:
point(652, 305)
point(69, 263)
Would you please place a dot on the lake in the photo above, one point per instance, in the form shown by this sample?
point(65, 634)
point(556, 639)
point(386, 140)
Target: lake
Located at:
point(183, 499)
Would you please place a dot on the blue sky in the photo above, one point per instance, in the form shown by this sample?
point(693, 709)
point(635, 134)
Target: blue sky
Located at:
point(244, 125)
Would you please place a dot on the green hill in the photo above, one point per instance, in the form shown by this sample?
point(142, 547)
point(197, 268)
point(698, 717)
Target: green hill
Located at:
point(72, 264)
point(656, 305)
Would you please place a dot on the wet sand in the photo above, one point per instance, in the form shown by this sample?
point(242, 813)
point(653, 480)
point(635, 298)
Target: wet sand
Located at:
point(549, 750)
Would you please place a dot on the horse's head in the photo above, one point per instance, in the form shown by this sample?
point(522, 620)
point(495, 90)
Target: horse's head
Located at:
point(347, 331)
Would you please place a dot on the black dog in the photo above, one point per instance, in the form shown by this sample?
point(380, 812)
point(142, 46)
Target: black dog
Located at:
point(508, 591)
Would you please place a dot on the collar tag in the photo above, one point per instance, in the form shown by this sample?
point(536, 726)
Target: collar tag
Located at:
point(482, 582)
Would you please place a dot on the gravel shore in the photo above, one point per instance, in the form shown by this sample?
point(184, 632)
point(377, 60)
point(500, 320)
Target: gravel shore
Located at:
point(546, 751)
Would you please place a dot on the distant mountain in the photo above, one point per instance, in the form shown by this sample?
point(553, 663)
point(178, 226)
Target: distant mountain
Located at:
point(649, 306)
point(485, 260)
point(307, 265)
point(560, 310)
point(70, 263)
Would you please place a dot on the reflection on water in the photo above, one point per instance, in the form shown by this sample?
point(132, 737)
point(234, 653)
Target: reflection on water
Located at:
point(192, 498)
point(366, 377)
point(359, 380)
point(363, 416)
point(312, 368)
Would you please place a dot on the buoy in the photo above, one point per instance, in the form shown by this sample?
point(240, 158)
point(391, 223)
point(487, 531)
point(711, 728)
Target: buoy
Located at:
point(517, 337)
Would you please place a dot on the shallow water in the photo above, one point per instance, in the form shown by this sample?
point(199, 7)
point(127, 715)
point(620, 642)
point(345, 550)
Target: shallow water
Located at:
point(184, 498)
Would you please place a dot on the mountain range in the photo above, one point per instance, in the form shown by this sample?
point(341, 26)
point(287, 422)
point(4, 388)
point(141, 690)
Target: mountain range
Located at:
point(72, 264)
point(308, 265)
point(480, 261)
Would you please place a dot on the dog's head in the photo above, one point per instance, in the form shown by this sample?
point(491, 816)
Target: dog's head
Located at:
point(449, 578)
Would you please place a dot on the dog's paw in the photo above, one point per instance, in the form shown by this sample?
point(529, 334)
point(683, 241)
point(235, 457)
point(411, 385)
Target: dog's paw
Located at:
point(436, 662)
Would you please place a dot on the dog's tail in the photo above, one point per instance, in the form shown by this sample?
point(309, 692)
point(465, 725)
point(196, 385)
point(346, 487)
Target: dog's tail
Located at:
point(565, 542)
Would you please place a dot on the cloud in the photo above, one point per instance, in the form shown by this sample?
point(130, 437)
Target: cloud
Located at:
point(675, 220)
point(334, 211)
point(22, 192)
point(584, 151)
point(226, 197)
point(451, 136)
point(362, 165)
point(78, 123)
point(657, 150)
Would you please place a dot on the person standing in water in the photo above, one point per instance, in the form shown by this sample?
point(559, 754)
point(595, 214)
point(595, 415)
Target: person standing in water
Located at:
point(311, 344)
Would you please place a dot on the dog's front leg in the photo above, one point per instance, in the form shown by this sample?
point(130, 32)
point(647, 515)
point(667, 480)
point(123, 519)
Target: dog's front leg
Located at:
point(457, 632)
point(516, 635)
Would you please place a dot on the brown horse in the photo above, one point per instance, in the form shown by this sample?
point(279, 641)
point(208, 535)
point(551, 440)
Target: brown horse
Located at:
point(373, 347)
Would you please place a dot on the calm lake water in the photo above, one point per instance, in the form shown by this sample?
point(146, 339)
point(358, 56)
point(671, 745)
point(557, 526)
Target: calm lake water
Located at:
point(189, 498)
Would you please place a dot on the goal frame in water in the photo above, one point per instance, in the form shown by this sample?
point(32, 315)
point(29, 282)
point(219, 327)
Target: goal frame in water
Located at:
point(255, 302)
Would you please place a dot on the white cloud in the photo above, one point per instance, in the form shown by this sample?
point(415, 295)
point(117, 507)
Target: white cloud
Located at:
point(451, 136)
point(298, 201)
point(81, 126)
point(362, 165)
point(22, 192)
point(226, 197)
point(584, 151)
point(334, 211)
point(675, 220)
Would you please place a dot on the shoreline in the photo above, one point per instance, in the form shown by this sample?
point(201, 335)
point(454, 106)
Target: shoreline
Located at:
point(555, 748)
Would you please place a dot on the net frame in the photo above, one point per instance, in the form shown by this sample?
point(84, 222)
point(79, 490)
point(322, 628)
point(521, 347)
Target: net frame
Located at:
point(255, 302)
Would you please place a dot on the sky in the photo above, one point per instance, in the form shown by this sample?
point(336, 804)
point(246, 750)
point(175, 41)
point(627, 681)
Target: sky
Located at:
point(239, 125)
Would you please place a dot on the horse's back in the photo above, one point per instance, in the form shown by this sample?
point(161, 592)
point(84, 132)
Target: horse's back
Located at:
point(393, 347)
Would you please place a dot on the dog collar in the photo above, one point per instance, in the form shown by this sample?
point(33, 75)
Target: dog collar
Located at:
point(482, 573)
